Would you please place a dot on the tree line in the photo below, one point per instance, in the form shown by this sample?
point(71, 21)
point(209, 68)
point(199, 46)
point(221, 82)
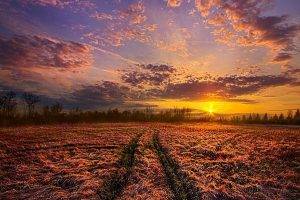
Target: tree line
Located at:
point(33, 113)
point(291, 118)
point(11, 115)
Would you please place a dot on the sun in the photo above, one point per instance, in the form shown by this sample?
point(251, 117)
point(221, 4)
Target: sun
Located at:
point(210, 108)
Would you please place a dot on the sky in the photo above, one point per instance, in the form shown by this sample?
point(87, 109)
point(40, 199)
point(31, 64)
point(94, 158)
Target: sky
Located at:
point(225, 56)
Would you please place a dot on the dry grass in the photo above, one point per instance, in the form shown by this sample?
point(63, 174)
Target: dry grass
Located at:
point(58, 162)
point(242, 162)
point(225, 162)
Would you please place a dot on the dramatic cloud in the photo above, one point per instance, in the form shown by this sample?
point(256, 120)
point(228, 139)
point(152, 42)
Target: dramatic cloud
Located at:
point(163, 81)
point(151, 75)
point(40, 52)
point(224, 87)
point(104, 94)
point(45, 66)
point(243, 21)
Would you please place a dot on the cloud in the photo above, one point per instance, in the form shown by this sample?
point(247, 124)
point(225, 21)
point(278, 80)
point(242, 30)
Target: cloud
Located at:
point(247, 26)
point(281, 57)
point(122, 25)
point(120, 36)
point(148, 75)
point(174, 3)
point(244, 101)
point(13, 19)
point(135, 13)
point(42, 65)
point(132, 24)
point(174, 40)
point(176, 46)
point(103, 94)
point(227, 87)
point(81, 5)
point(55, 3)
point(148, 82)
point(165, 82)
point(159, 68)
point(25, 51)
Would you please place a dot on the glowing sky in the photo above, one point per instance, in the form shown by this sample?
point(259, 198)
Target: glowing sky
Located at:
point(218, 55)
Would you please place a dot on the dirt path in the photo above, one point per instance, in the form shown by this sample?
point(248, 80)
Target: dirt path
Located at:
point(181, 185)
point(148, 180)
point(115, 184)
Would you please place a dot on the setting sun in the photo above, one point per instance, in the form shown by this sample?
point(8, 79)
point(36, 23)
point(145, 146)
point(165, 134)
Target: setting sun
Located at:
point(211, 108)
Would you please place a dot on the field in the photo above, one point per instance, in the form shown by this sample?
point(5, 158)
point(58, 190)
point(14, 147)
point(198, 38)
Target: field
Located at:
point(150, 161)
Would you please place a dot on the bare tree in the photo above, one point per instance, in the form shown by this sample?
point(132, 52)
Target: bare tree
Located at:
point(31, 100)
point(8, 104)
point(56, 108)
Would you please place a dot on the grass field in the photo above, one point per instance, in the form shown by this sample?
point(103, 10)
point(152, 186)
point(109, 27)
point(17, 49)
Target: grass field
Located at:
point(150, 161)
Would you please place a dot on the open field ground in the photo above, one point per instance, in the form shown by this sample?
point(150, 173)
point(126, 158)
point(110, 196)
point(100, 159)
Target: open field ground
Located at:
point(150, 161)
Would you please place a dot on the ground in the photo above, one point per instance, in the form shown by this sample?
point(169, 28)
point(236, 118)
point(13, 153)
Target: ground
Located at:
point(150, 161)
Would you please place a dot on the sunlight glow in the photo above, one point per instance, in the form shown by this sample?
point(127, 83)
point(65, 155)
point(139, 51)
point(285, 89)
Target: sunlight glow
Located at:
point(211, 108)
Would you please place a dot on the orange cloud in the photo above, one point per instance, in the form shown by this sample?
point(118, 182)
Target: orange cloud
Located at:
point(243, 23)
point(174, 3)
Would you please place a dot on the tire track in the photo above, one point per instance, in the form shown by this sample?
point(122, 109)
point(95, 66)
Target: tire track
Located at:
point(147, 180)
point(181, 185)
point(115, 184)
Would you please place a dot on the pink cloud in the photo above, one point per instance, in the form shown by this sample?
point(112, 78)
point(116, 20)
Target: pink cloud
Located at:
point(42, 65)
point(75, 5)
point(36, 51)
point(243, 23)
point(129, 24)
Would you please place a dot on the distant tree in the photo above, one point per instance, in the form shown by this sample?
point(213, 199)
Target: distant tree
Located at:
point(8, 104)
point(297, 114)
point(257, 118)
point(30, 100)
point(250, 119)
point(265, 118)
point(297, 117)
point(243, 118)
point(289, 117)
point(275, 119)
point(46, 111)
point(281, 118)
point(56, 108)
